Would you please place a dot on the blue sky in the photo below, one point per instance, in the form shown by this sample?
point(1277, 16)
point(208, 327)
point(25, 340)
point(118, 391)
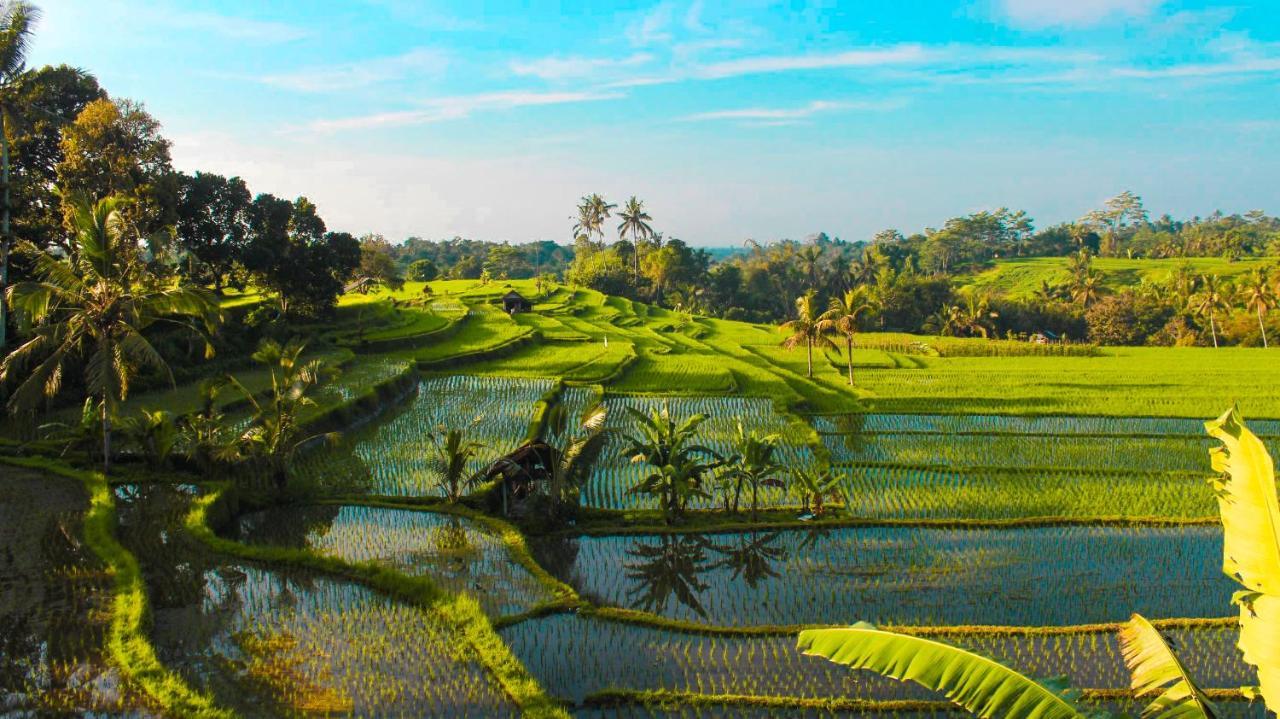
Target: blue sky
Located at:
point(733, 120)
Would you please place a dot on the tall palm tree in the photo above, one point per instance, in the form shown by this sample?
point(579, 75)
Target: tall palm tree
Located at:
point(1086, 289)
point(17, 24)
point(600, 211)
point(94, 309)
point(1209, 301)
point(805, 328)
point(635, 222)
point(810, 261)
point(272, 436)
point(842, 317)
point(1259, 296)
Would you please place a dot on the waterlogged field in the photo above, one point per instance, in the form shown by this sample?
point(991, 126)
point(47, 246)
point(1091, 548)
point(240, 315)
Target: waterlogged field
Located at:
point(276, 643)
point(458, 554)
point(55, 606)
point(394, 456)
point(616, 655)
point(615, 472)
point(904, 575)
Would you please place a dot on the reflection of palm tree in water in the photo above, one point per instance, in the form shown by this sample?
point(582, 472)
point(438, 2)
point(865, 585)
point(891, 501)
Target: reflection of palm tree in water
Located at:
point(452, 543)
point(670, 567)
point(751, 556)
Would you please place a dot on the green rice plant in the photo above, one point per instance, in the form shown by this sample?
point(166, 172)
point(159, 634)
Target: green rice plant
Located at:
point(1051, 575)
point(460, 555)
point(395, 454)
point(993, 424)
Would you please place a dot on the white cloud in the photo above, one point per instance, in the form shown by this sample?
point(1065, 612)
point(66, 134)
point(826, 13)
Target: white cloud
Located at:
point(907, 54)
point(771, 115)
point(654, 26)
point(458, 107)
point(1036, 14)
point(236, 28)
point(361, 73)
point(560, 68)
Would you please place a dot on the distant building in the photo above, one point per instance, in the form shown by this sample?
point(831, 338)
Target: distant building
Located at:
point(514, 302)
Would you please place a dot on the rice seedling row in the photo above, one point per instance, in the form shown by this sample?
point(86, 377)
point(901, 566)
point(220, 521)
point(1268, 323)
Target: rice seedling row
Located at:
point(1010, 424)
point(1056, 575)
point(458, 554)
point(905, 492)
point(396, 454)
point(575, 656)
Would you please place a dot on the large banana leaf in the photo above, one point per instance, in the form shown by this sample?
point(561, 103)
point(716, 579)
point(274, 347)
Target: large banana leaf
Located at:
point(1156, 670)
point(980, 685)
point(1246, 490)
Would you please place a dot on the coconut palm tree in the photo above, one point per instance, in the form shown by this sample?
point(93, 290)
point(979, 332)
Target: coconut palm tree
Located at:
point(1259, 296)
point(810, 257)
point(842, 317)
point(805, 328)
point(577, 448)
point(272, 436)
point(452, 454)
point(1247, 502)
point(17, 24)
point(635, 222)
point(1211, 299)
point(94, 310)
point(1086, 289)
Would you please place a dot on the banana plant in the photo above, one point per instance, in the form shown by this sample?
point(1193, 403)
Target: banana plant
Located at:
point(1247, 501)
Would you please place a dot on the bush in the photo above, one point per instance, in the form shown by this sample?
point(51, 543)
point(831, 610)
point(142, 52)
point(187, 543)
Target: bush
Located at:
point(422, 271)
point(1125, 319)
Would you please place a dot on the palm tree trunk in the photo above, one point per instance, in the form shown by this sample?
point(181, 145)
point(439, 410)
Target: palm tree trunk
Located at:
point(754, 503)
point(5, 237)
point(106, 439)
point(808, 348)
point(1213, 330)
point(849, 346)
point(1262, 327)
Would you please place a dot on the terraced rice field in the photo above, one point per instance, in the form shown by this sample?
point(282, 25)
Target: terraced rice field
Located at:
point(620, 655)
point(396, 454)
point(458, 554)
point(904, 575)
point(54, 606)
point(615, 473)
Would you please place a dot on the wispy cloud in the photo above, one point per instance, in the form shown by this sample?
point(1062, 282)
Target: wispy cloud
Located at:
point(1039, 14)
point(906, 54)
point(361, 73)
point(457, 108)
point(233, 27)
point(777, 115)
point(653, 26)
point(560, 68)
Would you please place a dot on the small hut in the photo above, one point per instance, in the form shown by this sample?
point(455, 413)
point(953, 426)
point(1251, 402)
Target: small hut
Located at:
point(522, 474)
point(514, 302)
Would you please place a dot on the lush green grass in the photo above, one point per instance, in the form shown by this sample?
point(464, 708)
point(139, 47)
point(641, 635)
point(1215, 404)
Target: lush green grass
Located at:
point(1022, 277)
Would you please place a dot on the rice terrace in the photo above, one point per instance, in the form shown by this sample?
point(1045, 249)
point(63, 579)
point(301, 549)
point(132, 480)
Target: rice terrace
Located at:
point(252, 465)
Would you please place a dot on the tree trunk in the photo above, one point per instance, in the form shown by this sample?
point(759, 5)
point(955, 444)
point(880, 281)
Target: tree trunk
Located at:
point(849, 346)
point(808, 348)
point(1262, 327)
point(755, 486)
point(817, 504)
point(6, 238)
point(1213, 330)
point(106, 439)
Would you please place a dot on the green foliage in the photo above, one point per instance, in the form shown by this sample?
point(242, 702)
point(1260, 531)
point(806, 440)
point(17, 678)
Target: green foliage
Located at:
point(1157, 671)
point(678, 466)
point(452, 454)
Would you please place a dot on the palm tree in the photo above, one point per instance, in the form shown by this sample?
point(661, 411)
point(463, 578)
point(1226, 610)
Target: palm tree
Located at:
point(1086, 289)
point(576, 450)
point(842, 317)
point(17, 24)
point(679, 465)
point(452, 454)
point(1259, 296)
point(276, 423)
point(810, 260)
point(805, 328)
point(635, 222)
point(1247, 502)
point(1212, 297)
point(753, 463)
point(95, 309)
